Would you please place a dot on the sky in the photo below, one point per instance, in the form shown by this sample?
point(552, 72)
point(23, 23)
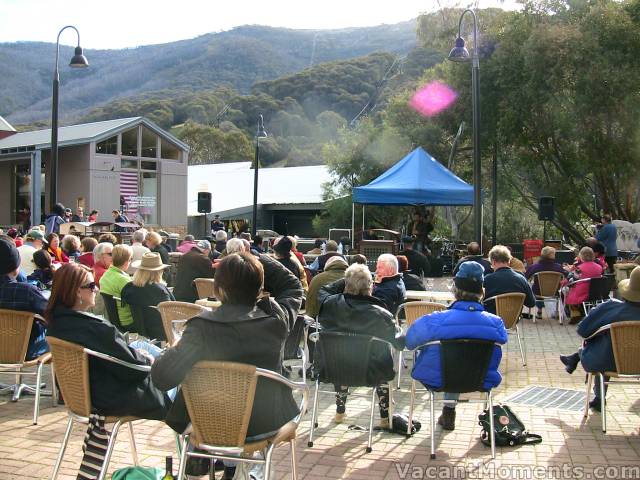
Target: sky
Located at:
point(116, 24)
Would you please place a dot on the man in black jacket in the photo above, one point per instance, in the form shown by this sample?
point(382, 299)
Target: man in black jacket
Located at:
point(474, 255)
point(504, 279)
point(347, 306)
point(193, 264)
point(418, 262)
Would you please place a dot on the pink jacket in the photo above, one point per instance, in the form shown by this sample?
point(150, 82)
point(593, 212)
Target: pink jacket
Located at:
point(185, 246)
point(580, 292)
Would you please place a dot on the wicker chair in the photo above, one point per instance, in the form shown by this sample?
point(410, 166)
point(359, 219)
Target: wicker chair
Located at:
point(229, 390)
point(72, 371)
point(549, 285)
point(204, 287)
point(625, 341)
point(176, 312)
point(15, 330)
point(413, 311)
point(509, 308)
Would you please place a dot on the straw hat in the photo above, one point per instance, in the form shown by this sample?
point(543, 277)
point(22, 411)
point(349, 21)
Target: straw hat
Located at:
point(150, 261)
point(630, 288)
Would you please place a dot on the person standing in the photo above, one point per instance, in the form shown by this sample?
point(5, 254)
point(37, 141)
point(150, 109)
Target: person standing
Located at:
point(78, 216)
point(419, 229)
point(608, 236)
point(93, 216)
point(55, 219)
point(216, 224)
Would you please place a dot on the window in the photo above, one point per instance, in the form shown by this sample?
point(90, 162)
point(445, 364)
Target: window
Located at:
point(168, 151)
point(149, 143)
point(147, 165)
point(130, 142)
point(148, 197)
point(108, 146)
point(129, 164)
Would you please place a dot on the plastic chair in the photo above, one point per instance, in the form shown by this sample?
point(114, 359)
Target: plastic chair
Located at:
point(599, 289)
point(509, 308)
point(111, 307)
point(15, 330)
point(548, 286)
point(204, 287)
point(625, 342)
point(464, 364)
point(72, 371)
point(228, 389)
point(413, 311)
point(343, 358)
point(176, 311)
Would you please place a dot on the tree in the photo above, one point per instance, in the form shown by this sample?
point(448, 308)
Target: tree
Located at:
point(211, 145)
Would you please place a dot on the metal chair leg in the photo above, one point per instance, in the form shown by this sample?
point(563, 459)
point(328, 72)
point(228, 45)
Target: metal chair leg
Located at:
point(400, 361)
point(63, 448)
point(134, 449)
point(491, 426)
point(521, 345)
point(373, 406)
point(294, 466)
point(432, 401)
point(110, 445)
point(314, 414)
point(36, 406)
point(603, 407)
point(588, 394)
point(267, 461)
point(54, 388)
point(411, 403)
point(183, 457)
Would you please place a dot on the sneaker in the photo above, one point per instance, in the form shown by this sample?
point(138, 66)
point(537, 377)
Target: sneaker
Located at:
point(570, 362)
point(448, 418)
point(339, 418)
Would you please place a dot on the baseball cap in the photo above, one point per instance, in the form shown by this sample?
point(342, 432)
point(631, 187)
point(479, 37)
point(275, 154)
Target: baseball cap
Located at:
point(203, 245)
point(470, 277)
point(35, 234)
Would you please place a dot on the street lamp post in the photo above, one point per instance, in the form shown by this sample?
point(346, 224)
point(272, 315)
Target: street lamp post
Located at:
point(459, 53)
point(260, 133)
point(77, 61)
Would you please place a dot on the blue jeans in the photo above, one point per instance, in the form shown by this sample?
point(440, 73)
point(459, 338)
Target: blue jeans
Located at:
point(155, 352)
point(453, 399)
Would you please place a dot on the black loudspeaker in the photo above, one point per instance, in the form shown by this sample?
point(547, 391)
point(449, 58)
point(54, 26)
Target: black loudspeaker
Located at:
point(204, 202)
point(546, 209)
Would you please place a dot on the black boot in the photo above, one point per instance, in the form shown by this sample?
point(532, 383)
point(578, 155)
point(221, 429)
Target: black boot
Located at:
point(570, 362)
point(448, 418)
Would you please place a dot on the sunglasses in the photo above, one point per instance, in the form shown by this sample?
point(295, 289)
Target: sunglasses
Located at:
point(90, 286)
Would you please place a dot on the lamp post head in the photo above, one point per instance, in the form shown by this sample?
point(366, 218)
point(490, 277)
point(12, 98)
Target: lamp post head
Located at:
point(459, 53)
point(261, 133)
point(79, 60)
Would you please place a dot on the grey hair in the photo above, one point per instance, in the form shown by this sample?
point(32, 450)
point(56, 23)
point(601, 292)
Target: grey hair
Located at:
point(221, 236)
point(70, 243)
point(389, 260)
point(189, 238)
point(358, 280)
point(465, 296)
point(139, 236)
point(235, 245)
point(500, 254)
point(99, 251)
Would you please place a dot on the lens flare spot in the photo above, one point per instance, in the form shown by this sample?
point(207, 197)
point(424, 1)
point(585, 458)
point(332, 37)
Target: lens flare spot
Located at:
point(432, 99)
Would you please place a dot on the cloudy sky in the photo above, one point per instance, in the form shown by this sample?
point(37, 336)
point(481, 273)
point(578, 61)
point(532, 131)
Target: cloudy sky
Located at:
point(131, 23)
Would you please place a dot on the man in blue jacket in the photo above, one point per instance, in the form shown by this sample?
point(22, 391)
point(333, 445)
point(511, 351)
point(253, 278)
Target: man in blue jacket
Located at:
point(465, 318)
point(596, 354)
point(608, 236)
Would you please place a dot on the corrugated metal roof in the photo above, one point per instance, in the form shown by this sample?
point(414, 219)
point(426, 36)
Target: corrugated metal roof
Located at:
point(6, 126)
point(82, 133)
point(231, 185)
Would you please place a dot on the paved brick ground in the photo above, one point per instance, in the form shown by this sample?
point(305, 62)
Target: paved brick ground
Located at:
point(572, 447)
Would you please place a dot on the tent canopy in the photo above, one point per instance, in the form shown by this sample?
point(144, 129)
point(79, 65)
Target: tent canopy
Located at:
point(417, 179)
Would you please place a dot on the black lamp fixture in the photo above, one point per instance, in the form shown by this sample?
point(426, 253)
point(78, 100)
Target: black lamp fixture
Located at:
point(459, 53)
point(260, 133)
point(77, 61)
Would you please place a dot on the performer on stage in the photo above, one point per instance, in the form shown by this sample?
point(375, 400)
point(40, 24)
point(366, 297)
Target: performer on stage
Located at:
point(420, 228)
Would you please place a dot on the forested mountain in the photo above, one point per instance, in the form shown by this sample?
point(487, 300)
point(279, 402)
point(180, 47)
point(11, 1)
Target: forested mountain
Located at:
point(237, 58)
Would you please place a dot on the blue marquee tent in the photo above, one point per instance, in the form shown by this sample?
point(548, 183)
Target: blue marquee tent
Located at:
point(417, 179)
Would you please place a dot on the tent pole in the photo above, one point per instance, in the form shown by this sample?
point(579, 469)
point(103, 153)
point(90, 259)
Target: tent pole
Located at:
point(353, 225)
point(363, 217)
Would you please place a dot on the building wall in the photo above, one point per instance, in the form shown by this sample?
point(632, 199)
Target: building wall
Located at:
point(73, 176)
point(104, 181)
point(173, 193)
point(6, 176)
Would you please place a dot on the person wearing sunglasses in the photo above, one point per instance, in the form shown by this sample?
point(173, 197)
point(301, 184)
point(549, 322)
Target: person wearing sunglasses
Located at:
point(115, 390)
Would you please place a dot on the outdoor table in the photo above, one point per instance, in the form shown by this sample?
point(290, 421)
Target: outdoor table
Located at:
point(212, 304)
point(623, 270)
point(430, 296)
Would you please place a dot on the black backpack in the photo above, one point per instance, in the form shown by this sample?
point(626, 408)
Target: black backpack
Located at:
point(509, 430)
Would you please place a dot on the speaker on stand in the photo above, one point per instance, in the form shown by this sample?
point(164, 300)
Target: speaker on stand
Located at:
point(546, 212)
point(204, 206)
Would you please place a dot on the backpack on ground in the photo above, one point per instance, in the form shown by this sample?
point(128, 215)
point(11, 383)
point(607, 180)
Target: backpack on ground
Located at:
point(509, 429)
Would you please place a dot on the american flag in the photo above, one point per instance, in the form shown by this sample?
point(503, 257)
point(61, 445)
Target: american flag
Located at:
point(129, 188)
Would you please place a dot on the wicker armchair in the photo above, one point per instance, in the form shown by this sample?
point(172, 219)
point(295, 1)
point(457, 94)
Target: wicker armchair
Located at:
point(625, 341)
point(72, 371)
point(229, 390)
point(549, 285)
point(412, 312)
point(15, 330)
point(204, 287)
point(509, 308)
point(171, 312)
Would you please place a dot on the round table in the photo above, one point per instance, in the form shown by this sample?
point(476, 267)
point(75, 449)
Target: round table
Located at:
point(212, 304)
point(430, 296)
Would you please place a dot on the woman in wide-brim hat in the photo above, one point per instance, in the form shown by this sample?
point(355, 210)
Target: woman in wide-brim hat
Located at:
point(145, 291)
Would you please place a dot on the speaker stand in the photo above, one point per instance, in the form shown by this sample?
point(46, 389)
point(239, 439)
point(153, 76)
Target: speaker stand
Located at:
point(544, 234)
